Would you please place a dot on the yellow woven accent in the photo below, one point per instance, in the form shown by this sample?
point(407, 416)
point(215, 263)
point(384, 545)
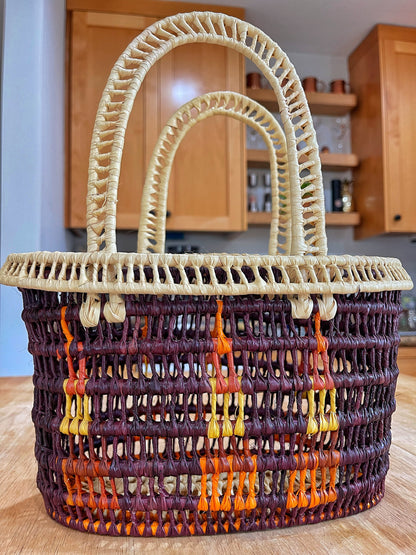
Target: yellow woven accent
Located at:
point(83, 427)
point(64, 426)
point(312, 423)
point(74, 426)
point(227, 427)
point(66, 421)
point(239, 428)
point(213, 427)
point(323, 422)
point(333, 418)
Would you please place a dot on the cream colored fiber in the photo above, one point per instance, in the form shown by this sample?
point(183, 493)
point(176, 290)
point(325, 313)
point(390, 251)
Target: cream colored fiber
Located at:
point(305, 269)
point(151, 237)
point(308, 226)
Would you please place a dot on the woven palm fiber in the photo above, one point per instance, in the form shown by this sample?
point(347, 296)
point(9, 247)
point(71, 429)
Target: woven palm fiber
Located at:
point(210, 393)
point(140, 468)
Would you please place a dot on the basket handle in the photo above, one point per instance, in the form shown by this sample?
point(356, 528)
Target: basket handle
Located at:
point(307, 225)
point(151, 236)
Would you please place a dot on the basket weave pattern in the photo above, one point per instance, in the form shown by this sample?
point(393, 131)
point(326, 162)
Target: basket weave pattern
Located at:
point(122, 439)
point(206, 394)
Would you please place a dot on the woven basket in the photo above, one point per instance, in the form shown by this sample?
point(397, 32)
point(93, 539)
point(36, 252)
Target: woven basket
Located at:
point(204, 394)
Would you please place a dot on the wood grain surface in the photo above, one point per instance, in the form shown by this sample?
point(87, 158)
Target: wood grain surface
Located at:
point(389, 528)
point(207, 187)
point(383, 76)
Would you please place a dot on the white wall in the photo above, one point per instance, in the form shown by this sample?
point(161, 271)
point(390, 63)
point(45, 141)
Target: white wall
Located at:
point(32, 159)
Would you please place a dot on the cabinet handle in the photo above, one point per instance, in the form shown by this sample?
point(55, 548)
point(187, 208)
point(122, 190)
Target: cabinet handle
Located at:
point(397, 217)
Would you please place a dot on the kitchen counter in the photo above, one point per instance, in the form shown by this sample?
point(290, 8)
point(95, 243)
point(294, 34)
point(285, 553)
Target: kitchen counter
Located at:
point(388, 528)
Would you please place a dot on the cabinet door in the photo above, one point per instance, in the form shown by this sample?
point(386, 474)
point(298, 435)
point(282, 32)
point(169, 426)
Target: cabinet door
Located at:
point(207, 190)
point(96, 42)
point(399, 86)
point(207, 184)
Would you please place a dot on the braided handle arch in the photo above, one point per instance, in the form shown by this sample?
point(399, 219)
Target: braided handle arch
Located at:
point(151, 236)
point(308, 226)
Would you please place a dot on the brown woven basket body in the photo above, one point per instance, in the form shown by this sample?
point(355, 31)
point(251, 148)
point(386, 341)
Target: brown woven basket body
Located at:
point(205, 394)
point(139, 471)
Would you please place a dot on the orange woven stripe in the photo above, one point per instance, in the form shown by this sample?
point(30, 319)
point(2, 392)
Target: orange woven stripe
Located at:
point(68, 336)
point(223, 343)
point(321, 340)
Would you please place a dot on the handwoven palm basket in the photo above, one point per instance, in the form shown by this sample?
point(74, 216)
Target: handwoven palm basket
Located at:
point(205, 394)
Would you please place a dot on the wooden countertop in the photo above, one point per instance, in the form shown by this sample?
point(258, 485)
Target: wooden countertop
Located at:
point(388, 528)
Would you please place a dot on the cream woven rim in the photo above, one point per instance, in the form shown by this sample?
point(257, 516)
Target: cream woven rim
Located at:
point(90, 273)
point(300, 231)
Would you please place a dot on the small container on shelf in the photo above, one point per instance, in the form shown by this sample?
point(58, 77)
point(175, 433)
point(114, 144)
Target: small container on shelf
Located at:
point(313, 84)
point(253, 80)
point(267, 181)
point(339, 86)
point(252, 180)
point(252, 204)
point(346, 193)
point(336, 188)
point(340, 130)
point(267, 206)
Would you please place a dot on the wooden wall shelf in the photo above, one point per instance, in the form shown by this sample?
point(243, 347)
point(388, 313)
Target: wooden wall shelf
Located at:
point(330, 161)
point(331, 218)
point(331, 104)
point(334, 161)
point(328, 104)
point(257, 158)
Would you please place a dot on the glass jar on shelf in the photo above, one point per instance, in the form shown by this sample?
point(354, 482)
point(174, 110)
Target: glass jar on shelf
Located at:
point(340, 131)
point(346, 194)
point(254, 140)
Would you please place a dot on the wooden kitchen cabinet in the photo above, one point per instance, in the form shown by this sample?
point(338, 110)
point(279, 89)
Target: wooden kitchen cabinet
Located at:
point(207, 185)
point(96, 40)
point(329, 104)
point(383, 130)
